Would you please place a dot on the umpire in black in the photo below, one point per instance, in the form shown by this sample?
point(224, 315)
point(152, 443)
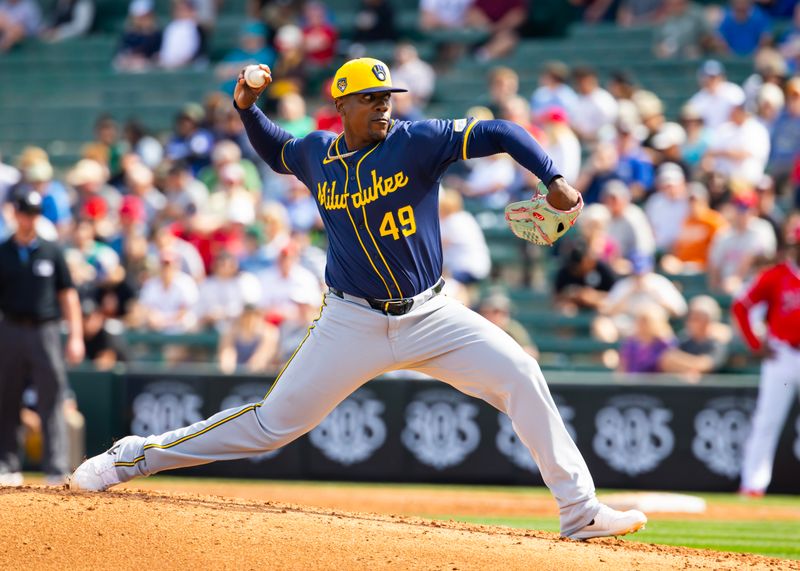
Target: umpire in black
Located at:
point(36, 290)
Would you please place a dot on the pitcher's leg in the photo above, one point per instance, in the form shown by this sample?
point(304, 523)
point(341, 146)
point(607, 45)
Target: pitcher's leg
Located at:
point(775, 397)
point(328, 366)
point(479, 359)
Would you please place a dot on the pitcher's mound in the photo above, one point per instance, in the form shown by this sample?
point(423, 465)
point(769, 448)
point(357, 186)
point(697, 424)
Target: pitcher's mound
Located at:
point(43, 528)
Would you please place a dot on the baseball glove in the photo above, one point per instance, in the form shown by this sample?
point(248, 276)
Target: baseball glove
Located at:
point(536, 221)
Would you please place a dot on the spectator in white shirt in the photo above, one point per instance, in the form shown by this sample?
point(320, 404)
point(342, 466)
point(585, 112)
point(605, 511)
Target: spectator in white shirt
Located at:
point(595, 107)
point(182, 39)
point(628, 226)
point(737, 250)
point(553, 90)
point(168, 299)
point(283, 280)
point(717, 97)
point(629, 295)
point(18, 20)
point(437, 14)
point(464, 249)
point(739, 148)
point(561, 142)
point(411, 70)
point(668, 207)
point(225, 293)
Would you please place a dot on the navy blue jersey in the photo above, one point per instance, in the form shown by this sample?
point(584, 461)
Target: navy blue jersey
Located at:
point(380, 204)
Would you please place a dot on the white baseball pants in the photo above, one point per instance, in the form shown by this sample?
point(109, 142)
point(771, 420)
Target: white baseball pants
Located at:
point(350, 344)
point(780, 382)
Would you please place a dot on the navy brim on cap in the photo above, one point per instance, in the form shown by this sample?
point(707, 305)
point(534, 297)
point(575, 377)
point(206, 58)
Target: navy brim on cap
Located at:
point(380, 89)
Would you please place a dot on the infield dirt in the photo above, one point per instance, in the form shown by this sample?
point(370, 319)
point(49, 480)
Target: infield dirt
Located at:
point(46, 528)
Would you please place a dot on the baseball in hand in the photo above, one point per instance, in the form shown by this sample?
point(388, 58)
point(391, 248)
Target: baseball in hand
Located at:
point(254, 76)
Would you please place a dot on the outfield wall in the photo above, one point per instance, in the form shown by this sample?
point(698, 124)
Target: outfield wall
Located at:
point(646, 432)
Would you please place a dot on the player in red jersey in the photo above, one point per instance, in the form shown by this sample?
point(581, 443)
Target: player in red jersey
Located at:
point(779, 288)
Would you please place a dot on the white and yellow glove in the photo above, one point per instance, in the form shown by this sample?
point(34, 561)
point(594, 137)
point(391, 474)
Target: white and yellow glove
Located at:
point(537, 221)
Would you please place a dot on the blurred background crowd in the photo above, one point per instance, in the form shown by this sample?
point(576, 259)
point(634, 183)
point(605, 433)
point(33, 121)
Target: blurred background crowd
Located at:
point(179, 232)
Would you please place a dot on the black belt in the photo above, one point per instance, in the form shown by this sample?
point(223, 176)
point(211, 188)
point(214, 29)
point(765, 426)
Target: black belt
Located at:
point(26, 320)
point(399, 306)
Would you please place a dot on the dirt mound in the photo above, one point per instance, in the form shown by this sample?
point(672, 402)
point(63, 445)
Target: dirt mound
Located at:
point(43, 528)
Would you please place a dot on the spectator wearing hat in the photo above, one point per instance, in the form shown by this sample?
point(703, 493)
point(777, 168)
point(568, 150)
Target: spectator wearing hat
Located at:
point(36, 291)
point(182, 41)
point(554, 90)
point(785, 138)
point(689, 252)
point(132, 224)
point(190, 141)
point(89, 178)
point(635, 167)
point(464, 249)
point(19, 19)
point(744, 28)
point(496, 307)
point(684, 33)
point(184, 193)
point(56, 205)
point(561, 142)
point(769, 104)
point(650, 339)
point(668, 206)
point(595, 107)
point(717, 96)
point(231, 200)
point(737, 250)
point(290, 68)
point(629, 295)
point(667, 145)
point(98, 255)
point(249, 345)
point(253, 49)
point(141, 40)
point(168, 298)
point(140, 181)
point(697, 136)
point(770, 68)
point(374, 22)
point(702, 345)
point(739, 147)
point(628, 226)
point(583, 280)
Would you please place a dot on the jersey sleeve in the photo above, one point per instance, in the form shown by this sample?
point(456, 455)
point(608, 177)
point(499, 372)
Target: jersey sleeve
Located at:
point(758, 291)
point(443, 141)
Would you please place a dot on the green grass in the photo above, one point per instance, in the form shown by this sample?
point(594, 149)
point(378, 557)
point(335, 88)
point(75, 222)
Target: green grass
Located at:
point(771, 538)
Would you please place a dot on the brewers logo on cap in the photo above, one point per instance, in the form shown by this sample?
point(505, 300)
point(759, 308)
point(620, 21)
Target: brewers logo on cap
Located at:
point(362, 75)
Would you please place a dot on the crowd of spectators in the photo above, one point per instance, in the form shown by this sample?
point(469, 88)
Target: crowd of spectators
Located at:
point(189, 232)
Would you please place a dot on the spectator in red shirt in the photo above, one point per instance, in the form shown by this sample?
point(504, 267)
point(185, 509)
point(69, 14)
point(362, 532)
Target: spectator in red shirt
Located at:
point(319, 35)
point(327, 118)
point(501, 18)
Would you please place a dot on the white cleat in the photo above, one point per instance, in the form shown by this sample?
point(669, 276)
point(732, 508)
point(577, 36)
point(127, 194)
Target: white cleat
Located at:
point(609, 522)
point(12, 479)
point(96, 474)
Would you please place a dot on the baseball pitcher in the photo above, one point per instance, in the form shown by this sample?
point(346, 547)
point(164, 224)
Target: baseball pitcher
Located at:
point(779, 288)
point(377, 187)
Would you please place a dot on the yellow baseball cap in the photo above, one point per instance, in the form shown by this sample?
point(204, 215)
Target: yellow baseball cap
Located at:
point(362, 75)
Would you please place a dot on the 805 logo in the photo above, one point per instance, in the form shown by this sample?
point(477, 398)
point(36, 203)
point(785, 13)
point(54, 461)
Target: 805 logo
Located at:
point(353, 430)
point(164, 406)
point(515, 450)
point(440, 428)
point(721, 430)
point(633, 434)
point(244, 394)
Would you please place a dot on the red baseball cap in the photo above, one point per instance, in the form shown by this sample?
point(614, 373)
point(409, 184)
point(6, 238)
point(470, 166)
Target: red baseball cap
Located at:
point(745, 199)
point(95, 208)
point(132, 207)
point(554, 115)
